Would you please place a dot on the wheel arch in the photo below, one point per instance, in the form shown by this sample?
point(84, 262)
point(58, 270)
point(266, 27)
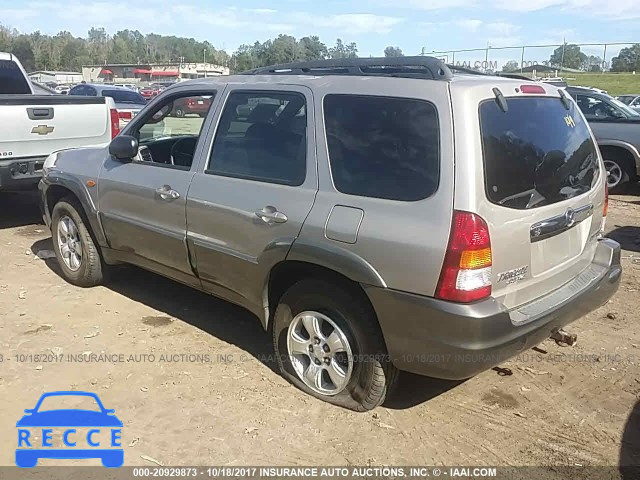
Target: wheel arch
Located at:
point(352, 274)
point(63, 187)
point(620, 149)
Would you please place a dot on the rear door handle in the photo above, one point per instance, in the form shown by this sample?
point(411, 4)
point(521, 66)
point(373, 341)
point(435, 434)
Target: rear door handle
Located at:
point(167, 193)
point(270, 214)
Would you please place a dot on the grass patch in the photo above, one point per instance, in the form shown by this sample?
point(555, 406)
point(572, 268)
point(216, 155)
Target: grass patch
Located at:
point(614, 83)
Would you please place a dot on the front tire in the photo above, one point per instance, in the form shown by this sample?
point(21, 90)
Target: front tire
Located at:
point(179, 112)
point(77, 254)
point(328, 343)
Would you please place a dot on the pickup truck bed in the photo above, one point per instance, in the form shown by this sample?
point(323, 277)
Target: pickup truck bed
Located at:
point(34, 126)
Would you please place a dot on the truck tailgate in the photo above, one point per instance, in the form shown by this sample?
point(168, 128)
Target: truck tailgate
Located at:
point(34, 126)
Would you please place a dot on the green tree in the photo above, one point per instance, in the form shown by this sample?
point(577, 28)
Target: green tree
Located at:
point(510, 66)
point(569, 56)
point(593, 63)
point(311, 48)
point(21, 48)
point(393, 52)
point(343, 51)
point(628, 60)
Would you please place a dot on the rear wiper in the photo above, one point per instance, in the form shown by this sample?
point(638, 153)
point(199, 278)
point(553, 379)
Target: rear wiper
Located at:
point(564, 99)
point(500, 100)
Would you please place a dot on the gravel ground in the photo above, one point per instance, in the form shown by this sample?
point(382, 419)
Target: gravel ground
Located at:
point(197, 384)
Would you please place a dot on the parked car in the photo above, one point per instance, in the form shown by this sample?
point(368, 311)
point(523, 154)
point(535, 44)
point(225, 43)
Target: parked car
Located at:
point(617, 131)
point(130, 86)
point(36, 123)
point(62, 89)
point(191, 105)
point(148, 92)
point(127, 102)
point(633, 101)
point(420, 220)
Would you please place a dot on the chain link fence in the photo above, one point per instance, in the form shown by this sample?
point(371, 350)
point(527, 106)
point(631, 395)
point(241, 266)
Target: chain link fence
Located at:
point(552, 58)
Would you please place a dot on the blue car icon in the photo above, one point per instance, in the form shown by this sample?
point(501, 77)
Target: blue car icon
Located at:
point(47, 419)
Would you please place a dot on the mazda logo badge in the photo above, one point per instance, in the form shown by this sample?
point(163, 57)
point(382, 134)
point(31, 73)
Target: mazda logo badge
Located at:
point(570, 217)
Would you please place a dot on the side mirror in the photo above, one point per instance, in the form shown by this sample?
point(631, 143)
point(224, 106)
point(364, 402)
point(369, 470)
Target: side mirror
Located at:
point(124, 147)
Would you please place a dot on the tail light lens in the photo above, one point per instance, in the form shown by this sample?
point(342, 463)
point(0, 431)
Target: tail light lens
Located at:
point(125, 115)
point(466, 272)
point(605, 207)
point(115, 122)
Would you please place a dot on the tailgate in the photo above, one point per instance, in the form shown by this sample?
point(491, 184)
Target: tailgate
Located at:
point(542, 193)
point(34, 126)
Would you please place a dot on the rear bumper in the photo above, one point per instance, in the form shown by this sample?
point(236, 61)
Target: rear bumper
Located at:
point(456, 341)
point(16, 174)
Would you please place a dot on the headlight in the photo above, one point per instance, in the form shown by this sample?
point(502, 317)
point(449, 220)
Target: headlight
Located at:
point(50, 162)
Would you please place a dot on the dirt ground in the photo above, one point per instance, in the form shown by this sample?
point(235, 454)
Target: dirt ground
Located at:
point(219, 401)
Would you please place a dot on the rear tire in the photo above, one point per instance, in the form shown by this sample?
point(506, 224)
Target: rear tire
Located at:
point(619, 171)
point(179, 112)
point(75, 250)
point(345, 326)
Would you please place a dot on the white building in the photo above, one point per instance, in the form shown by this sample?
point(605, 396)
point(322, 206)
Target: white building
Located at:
point(150, 72)
point(56, 77)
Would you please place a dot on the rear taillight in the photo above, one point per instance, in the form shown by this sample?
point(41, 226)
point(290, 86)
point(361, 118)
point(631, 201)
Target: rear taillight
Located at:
point(466, 272)
point(115, 122)
point(605, 207)
point(125, 115)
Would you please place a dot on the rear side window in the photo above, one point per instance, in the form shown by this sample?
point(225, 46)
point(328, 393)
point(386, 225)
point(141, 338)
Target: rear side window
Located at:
point(122, 96)
point(12, 80)
point(536, 153)
point(383, 147)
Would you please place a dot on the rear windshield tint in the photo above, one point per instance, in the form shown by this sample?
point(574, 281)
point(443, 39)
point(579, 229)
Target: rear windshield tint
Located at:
point(12, 80)
point(382, 147)
point(537, 153)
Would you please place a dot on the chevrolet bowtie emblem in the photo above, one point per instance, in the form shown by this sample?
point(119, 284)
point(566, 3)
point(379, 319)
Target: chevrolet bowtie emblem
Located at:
point(42, 129)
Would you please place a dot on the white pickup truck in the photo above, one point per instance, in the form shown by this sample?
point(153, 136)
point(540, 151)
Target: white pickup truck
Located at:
point(34, 126)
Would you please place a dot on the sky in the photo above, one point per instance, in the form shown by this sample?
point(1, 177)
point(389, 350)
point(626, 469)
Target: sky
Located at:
point(435, 25)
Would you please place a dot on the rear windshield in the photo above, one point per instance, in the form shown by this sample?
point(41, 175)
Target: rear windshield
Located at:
point(12, 80)
point(122, 96)
point(537, 153)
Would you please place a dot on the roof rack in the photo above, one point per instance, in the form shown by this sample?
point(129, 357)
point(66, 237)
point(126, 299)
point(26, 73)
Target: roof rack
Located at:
point(515, 76)
point(406, 67)
point(470, 71)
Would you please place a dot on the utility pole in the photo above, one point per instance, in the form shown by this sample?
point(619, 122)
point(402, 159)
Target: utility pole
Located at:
point(564, 44)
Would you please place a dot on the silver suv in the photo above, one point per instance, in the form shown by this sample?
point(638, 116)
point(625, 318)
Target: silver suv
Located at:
point(376, 215)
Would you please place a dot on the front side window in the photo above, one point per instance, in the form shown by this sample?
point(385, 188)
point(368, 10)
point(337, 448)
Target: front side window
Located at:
point(383, 147)
point(169, 135)
point(262, 137)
